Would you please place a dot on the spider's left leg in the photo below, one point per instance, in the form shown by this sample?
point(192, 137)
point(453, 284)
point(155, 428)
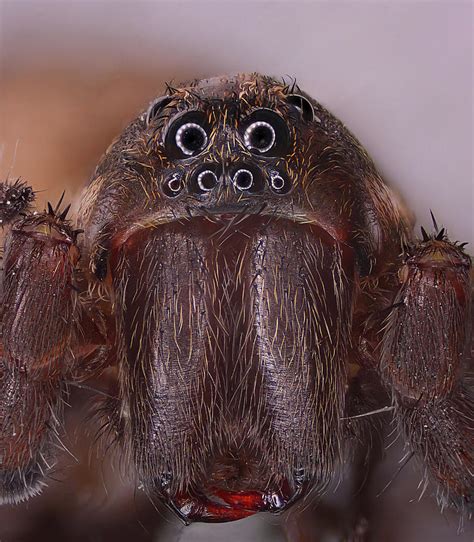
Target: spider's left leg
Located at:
point(37, 317)
point(426, 357)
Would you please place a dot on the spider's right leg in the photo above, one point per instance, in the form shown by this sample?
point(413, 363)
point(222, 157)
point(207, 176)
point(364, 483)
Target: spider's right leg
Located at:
point(36, 318)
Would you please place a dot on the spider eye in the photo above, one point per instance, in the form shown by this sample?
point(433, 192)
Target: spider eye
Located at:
point(191, 138)
point(265, 132)
point(207, 180)
point(303, 106)
point(279, 184)
point(259, 136)
point(243, 179)
point(187, 136)
point(173, 186)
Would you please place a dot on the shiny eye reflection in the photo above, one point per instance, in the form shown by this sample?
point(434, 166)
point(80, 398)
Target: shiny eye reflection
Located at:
point(207, 180)
point(243, 179)
point(260, 135)
point(191, 138)
point(279, 184)
point(173, 186)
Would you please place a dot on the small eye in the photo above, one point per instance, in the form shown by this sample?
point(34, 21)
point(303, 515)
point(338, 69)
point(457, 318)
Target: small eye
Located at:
point(191, 138)
point(260, 136)
point(279, 184)
point(243, 179)
point(173, 186)
point(207, 180)
point(303, 106)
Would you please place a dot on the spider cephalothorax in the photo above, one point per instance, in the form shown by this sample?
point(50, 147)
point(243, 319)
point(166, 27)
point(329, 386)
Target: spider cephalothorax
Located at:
point(246, 274)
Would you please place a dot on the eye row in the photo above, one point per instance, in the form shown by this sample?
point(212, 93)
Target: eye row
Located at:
point(264, 132)
point(191, 138)
point(243, 179)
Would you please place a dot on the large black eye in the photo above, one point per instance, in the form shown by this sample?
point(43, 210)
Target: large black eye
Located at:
point(259, 136)
point(265, 132)
point(191, 138)
point(187, 135)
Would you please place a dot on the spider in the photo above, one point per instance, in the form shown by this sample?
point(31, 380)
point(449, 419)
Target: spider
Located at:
point(259, 297)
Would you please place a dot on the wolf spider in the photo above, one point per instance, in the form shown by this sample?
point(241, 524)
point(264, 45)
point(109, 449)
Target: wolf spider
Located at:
point(260, 297)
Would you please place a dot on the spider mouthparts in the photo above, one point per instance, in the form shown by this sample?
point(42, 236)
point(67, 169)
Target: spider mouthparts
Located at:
point(234, 486)
point(223, 506)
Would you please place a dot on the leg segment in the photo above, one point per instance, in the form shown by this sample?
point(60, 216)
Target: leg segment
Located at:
point(29, 412)
point(425, 358)
point(36, 317)
point(15, 198)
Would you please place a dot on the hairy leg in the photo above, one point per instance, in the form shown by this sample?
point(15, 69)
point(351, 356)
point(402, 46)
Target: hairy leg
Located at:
point(426, 357)
point(37, 316)
point(15, 199)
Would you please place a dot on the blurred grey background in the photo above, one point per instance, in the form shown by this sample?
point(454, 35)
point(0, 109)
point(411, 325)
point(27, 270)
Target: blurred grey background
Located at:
point(398, 73)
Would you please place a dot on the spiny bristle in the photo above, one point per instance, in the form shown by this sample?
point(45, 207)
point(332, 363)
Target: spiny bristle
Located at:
point(58, 205)
point(435, 224)
point(169, 88)
point(441, 234)
point(424, 234)
point(63, 215)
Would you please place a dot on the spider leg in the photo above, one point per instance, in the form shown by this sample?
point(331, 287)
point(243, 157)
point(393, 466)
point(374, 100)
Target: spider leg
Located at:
point(426, 356)
point(15, 199)
point(37, 314)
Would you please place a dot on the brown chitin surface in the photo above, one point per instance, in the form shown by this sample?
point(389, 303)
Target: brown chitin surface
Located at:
point(232, 361)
